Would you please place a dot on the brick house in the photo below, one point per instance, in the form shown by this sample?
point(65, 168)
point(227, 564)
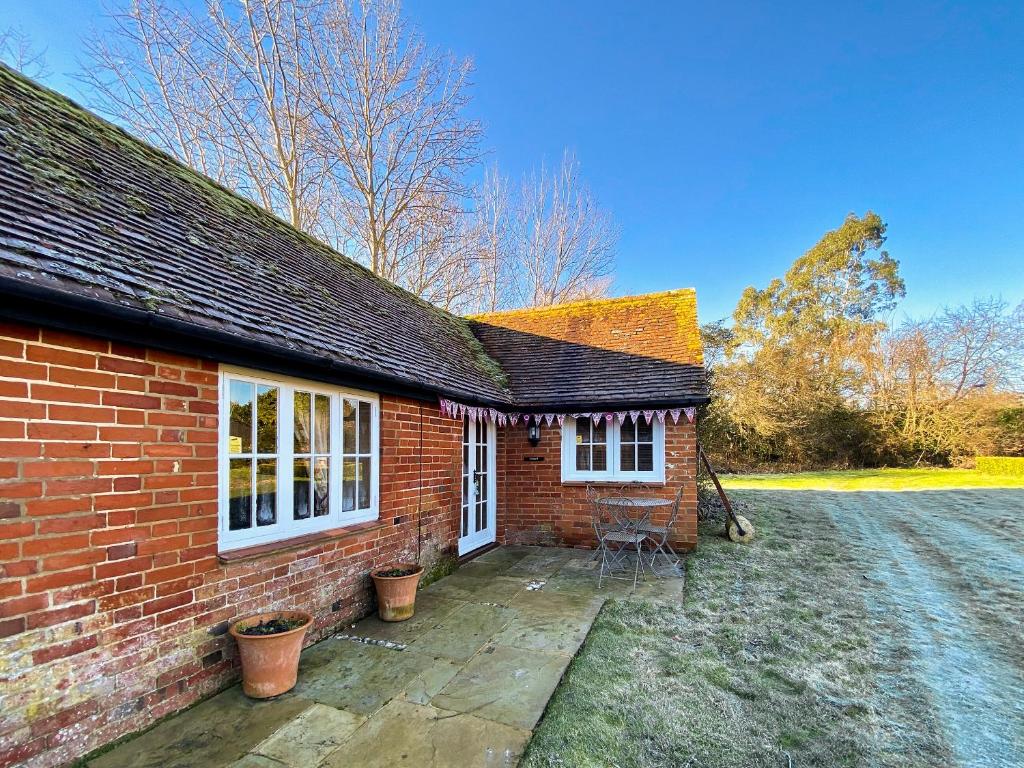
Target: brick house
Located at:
point(205, 413)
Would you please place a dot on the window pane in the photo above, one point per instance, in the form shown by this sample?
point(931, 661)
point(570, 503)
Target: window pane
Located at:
point(582, 458)
point(240, 440)
point(583, 429)
point(266, 419)
point(266, 491)
point(322, 431)
point(364, 483)
point(348, 485)
point(300, 503)
point(627, 456)
point(302, 422)
point(365, 422)
point(240, 494)
point(348, 427)
point(645, 460)
point(628, 431)
point(644, 432)
point(600, 458)
point(321, 488)
point(599, 432)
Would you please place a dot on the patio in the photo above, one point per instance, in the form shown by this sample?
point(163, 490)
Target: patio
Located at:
point(462, 683)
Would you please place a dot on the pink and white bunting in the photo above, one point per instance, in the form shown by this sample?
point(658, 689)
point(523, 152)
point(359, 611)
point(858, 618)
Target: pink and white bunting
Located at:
point(457, 410)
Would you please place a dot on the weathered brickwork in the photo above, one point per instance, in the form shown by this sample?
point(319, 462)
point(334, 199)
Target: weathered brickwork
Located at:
point(534, 507)
point(113, 601)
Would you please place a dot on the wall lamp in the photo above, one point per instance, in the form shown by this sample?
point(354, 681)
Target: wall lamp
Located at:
point(533, 432)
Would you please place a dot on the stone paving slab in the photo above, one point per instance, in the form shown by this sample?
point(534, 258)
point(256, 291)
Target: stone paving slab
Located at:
point(431, 609)
point(407, 734)
point(215, 733)
point(363, 678)
point(547, 629)
point(475, 587)
point(310, 737)
point(481, 657)
point(464, 632)
point(507, 685)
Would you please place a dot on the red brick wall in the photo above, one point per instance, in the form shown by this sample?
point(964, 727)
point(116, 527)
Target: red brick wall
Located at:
point(535, 507)
point(113, 602)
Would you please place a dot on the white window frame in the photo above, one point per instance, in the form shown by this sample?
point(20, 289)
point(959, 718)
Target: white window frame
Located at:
point(614, 471)
point(286, 527)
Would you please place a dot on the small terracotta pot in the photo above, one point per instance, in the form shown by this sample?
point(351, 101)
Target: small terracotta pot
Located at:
point(270, 663)
point(396, 595)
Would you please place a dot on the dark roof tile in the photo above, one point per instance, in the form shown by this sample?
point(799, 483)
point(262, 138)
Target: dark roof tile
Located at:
point(88, 211)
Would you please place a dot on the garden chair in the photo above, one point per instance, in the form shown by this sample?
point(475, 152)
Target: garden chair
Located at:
point(618, 536)
point(659, 535)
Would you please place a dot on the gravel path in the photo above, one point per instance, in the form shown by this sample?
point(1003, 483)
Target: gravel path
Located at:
point(949, 567)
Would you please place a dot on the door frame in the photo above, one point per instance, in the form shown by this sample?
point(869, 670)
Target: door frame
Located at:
point(488, 534)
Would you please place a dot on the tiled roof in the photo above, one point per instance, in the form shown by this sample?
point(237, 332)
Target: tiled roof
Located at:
point(608, 352)
point(89, 213)
point(96, 222)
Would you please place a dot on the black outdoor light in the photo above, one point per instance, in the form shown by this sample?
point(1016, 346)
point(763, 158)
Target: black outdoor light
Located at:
point(533, 432)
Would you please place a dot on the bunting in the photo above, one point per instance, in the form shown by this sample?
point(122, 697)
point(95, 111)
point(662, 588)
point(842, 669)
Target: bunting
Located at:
point(456, 410)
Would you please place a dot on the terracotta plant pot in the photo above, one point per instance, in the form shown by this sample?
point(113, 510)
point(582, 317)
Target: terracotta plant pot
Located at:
point(396, 595)
point(270, 663)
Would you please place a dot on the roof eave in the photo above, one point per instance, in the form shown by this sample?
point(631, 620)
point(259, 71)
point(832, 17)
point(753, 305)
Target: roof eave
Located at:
point(28, 303)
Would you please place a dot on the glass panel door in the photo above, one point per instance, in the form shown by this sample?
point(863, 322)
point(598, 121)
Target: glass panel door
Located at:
point(477, 524)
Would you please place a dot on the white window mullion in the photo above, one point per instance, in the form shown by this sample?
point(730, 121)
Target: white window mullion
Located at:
point(375, 452)
point(336, 463)
point(286, 460)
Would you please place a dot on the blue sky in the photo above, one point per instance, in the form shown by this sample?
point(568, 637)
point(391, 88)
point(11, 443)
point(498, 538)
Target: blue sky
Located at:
point(726, 138)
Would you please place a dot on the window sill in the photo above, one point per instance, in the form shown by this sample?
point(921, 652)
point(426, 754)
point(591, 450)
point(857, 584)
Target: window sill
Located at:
point(653, 483)
point(297, 542)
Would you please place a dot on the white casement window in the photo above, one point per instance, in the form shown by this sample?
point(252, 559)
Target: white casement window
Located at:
point(296, 457)
point(613, 451)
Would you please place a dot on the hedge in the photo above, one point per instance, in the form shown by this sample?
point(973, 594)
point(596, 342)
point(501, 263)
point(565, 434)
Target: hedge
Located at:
point(1000, 465)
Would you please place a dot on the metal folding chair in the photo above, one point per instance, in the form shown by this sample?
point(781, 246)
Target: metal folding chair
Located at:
point(659, 535)
point(618, 535)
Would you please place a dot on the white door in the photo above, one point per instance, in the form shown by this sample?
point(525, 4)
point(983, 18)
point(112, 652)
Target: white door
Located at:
point(479, 486)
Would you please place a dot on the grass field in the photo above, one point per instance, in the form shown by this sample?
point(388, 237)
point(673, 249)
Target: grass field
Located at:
point(875, 480)
point(858, 629)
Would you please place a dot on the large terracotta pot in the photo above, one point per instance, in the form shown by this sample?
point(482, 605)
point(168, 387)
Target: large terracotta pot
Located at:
point(396, 595)
point(270, 663)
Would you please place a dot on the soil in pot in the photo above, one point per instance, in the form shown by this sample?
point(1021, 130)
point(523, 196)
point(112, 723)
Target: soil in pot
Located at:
point(396, 590)
point(269, 645)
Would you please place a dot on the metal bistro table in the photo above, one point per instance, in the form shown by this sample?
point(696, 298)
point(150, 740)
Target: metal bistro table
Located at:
point(629, 515)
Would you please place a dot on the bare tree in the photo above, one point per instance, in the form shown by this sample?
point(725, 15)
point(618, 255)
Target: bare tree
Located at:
point(492, 232)
point(226, 92)
point(565, 242)
point(938, 384)
point(17, 51)
point(390, 114)
point(333, 115)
